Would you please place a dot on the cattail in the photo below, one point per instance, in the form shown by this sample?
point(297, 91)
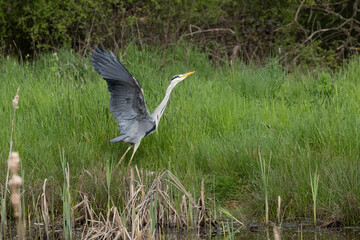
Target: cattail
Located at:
point(16, 99)
point(15, 183)
point(14, 162)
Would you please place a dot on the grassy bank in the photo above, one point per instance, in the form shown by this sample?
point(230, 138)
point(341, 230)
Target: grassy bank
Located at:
point(218, 122)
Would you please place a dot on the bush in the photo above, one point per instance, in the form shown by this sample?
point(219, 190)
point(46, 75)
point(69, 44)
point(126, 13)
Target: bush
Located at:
point(324, 31)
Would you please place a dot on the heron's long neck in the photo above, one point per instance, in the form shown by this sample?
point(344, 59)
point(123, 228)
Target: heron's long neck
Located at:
point(160, 109)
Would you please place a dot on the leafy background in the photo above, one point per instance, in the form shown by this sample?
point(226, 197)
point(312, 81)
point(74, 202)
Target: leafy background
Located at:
point(251, 30)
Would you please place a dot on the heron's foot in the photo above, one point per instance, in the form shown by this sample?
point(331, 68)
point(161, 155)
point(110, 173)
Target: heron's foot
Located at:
point(122, 158)
point(135, 148)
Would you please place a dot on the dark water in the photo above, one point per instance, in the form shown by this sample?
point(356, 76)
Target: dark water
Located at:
point(285, 233)
point(294, 234)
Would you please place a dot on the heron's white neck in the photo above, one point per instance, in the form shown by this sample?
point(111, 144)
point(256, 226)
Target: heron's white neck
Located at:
point(156, 115)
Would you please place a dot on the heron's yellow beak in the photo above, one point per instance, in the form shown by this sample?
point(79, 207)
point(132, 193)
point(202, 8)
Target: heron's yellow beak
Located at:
point(187, 74)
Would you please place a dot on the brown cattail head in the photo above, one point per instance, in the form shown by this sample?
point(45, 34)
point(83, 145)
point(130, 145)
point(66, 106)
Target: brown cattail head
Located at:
point(15, 200)
point(14, 162)
point(16, 102)
point(15, 181)
point(16, 99)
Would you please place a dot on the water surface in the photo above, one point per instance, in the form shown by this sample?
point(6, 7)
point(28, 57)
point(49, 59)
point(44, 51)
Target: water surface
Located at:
point(286, 233)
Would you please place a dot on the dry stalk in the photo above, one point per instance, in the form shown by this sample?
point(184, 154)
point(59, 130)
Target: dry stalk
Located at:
point(198, 31)
point(277, 235)
point(15, 184)
point(279, 209)
point(15, 103)
point(135, 221)
point(45, 210)
point(201, 214)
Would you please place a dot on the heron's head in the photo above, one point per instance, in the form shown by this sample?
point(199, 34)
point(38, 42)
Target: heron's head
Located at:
point(180, 77)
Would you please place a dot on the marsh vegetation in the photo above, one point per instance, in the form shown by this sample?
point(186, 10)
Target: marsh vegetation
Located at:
point(251, 133)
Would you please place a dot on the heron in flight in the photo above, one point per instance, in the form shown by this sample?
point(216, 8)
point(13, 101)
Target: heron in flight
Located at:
point(127, 99)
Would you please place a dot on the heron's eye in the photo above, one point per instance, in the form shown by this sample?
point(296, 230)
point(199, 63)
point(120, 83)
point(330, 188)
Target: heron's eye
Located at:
point(176, 76)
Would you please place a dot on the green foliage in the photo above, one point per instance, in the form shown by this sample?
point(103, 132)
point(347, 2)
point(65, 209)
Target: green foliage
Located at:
point(315, 55)
point(44, 25)
point(249, 30)
point(325, 85)
point(321, 34)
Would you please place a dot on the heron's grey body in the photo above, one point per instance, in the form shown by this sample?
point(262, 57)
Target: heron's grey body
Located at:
point(127, 100)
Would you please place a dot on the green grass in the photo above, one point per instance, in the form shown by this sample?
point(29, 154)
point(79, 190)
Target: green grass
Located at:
point(211, 129)
point(314, 181)
point(264, 175)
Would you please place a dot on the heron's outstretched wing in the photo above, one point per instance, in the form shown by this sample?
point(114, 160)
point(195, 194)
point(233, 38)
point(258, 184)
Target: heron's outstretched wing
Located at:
point(127, 100)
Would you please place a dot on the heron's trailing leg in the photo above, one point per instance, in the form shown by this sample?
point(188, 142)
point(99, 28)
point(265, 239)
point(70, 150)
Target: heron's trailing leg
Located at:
point(136, 145)
point(122, 158)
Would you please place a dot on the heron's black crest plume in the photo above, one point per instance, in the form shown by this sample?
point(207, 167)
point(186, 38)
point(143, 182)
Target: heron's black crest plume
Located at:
point(174, 77)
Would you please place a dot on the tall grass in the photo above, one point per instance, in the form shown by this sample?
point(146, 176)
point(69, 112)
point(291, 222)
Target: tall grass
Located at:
point(264, 168)
point(215, 124)
point(66, 198)
point(314, 182)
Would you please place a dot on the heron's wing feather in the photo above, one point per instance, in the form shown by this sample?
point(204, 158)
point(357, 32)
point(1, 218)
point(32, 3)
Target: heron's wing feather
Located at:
point(127, 100)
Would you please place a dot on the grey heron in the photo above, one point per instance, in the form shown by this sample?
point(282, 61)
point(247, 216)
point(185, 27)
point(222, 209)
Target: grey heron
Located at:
point(127, 99)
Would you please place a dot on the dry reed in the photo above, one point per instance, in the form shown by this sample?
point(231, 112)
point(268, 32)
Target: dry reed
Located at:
point(277, 235)
point(145, 203)
point(279, 210)
point(151, 208)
